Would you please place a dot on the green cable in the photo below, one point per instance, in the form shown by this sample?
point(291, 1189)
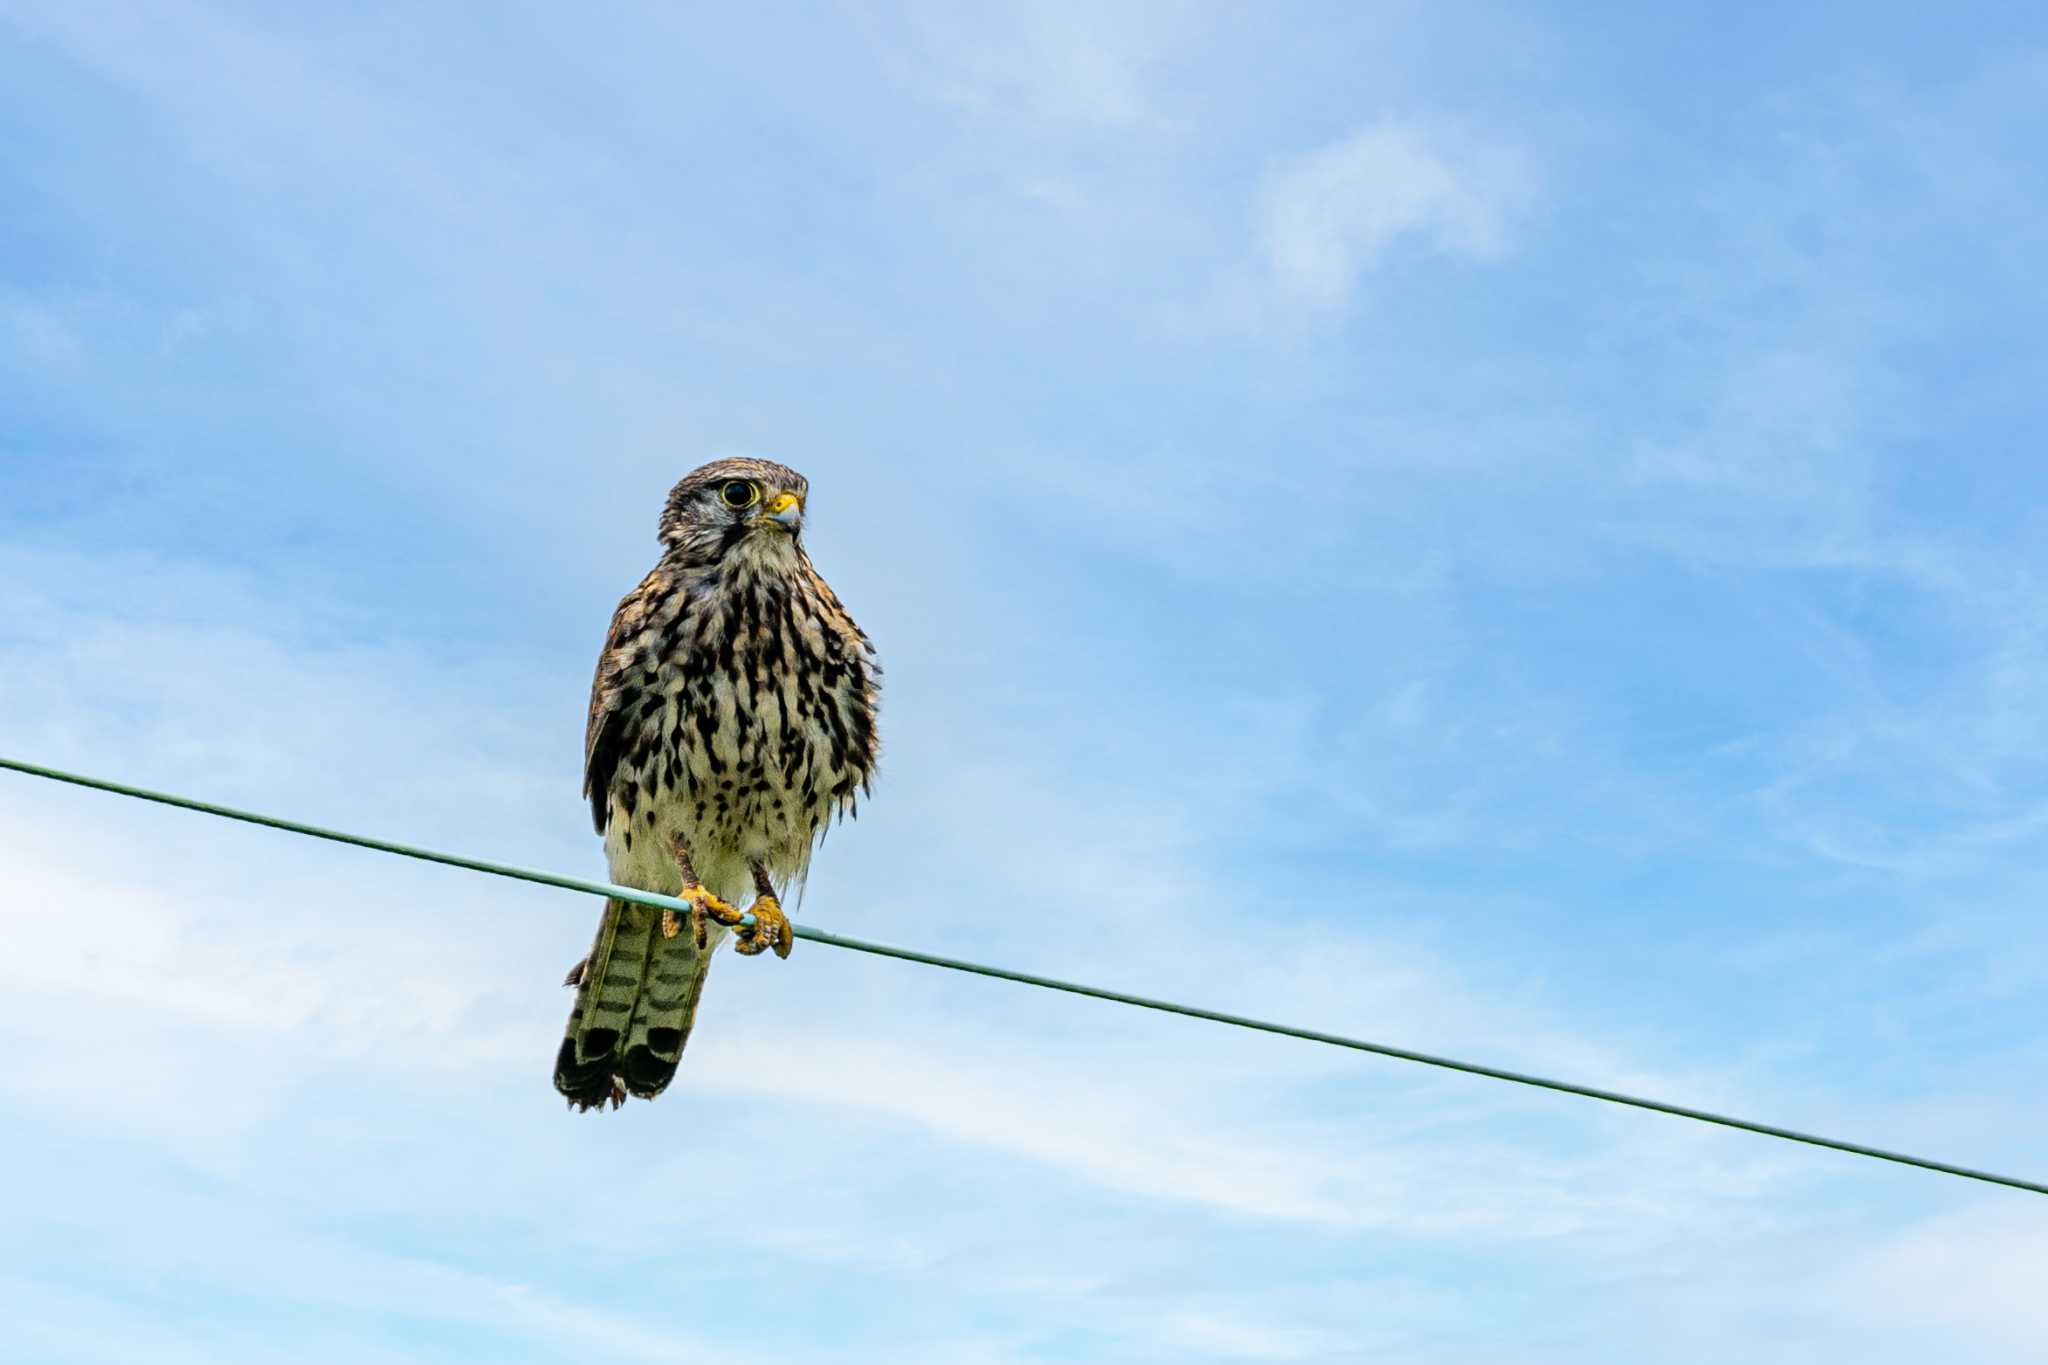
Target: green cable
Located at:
point(627, 893)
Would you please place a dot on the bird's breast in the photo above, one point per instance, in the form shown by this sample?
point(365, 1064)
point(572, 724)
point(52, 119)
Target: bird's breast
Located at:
point(755, 723)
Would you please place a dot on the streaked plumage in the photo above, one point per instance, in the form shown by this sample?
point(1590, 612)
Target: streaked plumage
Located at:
point(733, 715)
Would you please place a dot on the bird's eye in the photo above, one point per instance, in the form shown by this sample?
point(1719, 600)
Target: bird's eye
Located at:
point(739, 493)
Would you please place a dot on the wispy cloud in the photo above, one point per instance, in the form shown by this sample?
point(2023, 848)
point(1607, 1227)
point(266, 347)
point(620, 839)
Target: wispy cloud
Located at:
point(1330, 216)
point(1523, 556)
point(1967, 1280)
point(1220, 1333)
point(1052, 65)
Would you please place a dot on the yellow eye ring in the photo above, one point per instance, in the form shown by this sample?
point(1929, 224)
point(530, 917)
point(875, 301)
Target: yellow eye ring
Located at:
point(738, 493)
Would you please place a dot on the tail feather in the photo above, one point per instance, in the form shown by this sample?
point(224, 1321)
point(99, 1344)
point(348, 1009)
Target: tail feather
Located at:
point(635, 1002)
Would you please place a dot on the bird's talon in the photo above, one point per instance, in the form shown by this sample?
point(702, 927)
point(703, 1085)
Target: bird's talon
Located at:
point(703, 903)
point(704, 909)
point(769, 930)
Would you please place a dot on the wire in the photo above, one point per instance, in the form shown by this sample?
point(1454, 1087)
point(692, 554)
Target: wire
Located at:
point(627, 893)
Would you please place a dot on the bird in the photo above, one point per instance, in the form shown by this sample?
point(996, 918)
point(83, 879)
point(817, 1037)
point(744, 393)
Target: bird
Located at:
point(732, 721)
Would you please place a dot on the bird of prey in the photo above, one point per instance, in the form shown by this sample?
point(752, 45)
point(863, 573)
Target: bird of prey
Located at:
point(733, 717)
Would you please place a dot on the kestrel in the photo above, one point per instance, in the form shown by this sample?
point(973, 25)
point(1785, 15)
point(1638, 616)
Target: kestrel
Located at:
point(733, 717)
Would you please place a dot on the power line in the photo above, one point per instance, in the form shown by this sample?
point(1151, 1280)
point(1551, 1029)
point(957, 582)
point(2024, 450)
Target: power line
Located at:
point(628, 893)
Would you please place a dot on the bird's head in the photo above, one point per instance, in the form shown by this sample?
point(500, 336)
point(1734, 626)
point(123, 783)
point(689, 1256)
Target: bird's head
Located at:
point(728, 503)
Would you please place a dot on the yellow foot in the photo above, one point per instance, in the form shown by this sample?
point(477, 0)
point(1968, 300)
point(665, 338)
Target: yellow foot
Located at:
point(770, 929)
point(703, 906)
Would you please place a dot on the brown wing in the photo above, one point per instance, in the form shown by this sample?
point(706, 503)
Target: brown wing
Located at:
point(611, 696)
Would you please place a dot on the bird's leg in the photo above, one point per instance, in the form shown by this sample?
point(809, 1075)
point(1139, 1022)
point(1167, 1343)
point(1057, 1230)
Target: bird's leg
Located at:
point(702, 903)
point(771, 927)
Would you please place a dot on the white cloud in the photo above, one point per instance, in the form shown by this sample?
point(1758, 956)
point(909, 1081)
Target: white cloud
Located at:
point(1219, 1332)
point(1331, 215)
point(230, 983)
point(332, 1047)
point(1054, 62)
point(323, 1272)
point(38, 341)
point(1968, 1284)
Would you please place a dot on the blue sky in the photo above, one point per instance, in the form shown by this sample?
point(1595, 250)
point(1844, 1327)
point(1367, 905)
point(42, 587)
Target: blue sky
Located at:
point(1511, 531)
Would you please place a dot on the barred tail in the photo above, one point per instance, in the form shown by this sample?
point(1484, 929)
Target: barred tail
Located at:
point(636, 997)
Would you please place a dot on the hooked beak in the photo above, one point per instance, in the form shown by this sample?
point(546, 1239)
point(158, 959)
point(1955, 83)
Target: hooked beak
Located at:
point(785, 510)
